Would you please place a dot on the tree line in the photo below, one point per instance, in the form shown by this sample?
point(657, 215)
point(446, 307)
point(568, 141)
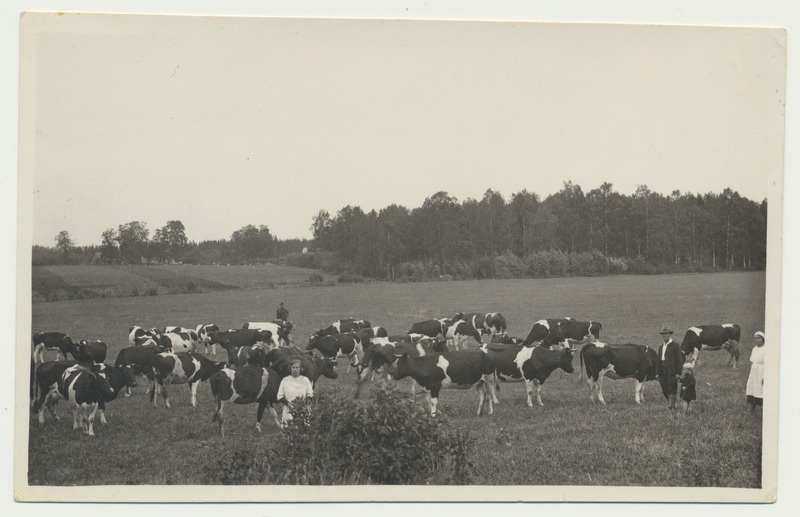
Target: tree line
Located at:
point(646, 230)
point(570, 232)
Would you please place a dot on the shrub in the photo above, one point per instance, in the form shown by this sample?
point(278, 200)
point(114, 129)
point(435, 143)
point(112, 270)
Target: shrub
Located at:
point(332, 441)
point(315, 279)
point(151, 292)
point(347, 278)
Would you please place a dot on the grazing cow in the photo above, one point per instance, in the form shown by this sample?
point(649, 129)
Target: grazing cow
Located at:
point(563, 330)
point(91, 351)
point(712, 337)
point(311, 366)
point(245, 385)
point(178, 369)
point(273, 355)
point(207, 334)
point(140, 359)
point(119, 377)
point(138, 336)
point(505, 339)
point(368, 334)
point(618, 362)
point(348, 345)
point(385, 353)
point(458, 331)
point(430, 328)
point(84, 389)
point(177, 342)
point(52, 341)
point(533, 364)
point(279, 330)
point(450, 369)
point(491, 323)
point(233, 340)
point(46, 377)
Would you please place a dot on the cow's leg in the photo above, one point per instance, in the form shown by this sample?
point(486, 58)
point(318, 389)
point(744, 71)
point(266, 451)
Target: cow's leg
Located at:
point(480, 388)
point(101, 407)
point(639, 391)
point(431, 402)
point(91, 411)
point(529, 391)
point(260, 414)
point(538, 392)
point(599, 384)
point(274, 415)
point(76, 408)
point(162, 386)
point(493, 389)
point(219, 418)
point(193, 387)
point(590, 382)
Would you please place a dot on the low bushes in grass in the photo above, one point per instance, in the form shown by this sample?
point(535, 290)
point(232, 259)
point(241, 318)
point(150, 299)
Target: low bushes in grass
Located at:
point(334, 441)
point(348, 278)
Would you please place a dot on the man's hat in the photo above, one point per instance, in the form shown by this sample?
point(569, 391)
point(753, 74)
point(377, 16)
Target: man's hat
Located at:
point(665, 330)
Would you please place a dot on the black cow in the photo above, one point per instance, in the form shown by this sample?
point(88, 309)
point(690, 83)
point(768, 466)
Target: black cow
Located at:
point(450, 369)
point(233, 340)
point(311, 366)
point(181, 368)
point(245, 385)
point(52, 341)
point(712, 337)
point(84, 389)
point(618, 362)
point(549, 332)
point(430, 328)
point(140, 359)
point(46, 376)
point(533, 364)
point(505, 339)
point(491, 323)
point(348, 345)
point(91, 351)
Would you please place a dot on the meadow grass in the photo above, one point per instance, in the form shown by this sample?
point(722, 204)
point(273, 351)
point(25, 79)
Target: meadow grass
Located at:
point(568, 441)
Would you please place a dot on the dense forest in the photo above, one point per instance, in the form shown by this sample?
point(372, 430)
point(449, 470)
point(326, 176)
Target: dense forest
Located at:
point(571, 232)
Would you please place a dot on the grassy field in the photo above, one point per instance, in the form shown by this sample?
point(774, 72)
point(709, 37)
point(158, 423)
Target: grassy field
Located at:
point(568, 441)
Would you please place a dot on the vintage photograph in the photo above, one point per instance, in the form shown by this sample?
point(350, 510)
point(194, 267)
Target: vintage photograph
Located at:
point(309, 259)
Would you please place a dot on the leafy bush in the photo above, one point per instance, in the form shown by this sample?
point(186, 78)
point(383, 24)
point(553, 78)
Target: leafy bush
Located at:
point(347, 278)
point(333, 441)
point(315, 279)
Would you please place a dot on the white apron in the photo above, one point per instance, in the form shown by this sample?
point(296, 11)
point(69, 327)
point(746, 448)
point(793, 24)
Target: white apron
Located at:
point(755, 382)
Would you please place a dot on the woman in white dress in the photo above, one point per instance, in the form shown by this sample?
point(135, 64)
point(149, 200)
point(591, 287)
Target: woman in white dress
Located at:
point(293, 387)
point(755, 383)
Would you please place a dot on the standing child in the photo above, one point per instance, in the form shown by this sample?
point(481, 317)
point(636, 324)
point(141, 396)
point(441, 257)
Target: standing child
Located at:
point(688, 393)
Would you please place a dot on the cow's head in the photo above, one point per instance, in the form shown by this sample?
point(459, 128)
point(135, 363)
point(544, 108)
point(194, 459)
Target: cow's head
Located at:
point(101, 387)
point(327, 367)
point(466, 329)
point(399, 368)
point(128, 376)
point(594, 331)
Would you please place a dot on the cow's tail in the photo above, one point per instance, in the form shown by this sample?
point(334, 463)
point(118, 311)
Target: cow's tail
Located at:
point(583, 370)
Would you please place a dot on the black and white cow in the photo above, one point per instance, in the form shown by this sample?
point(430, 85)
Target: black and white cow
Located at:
point(91, 351)
point(119, 378)
point(448, 370)
point(712, 337)
point(245, 385)
point(566, 331)
point(84, 389)
point(138, 336)
point(280, 330)
point(487, 324)
point(177, 341)
point(51, 341)
point(618, 362)
point(348, 344)
point(181, 368)
point(531, 364)
point(505, 339)
point(459, 331)
point(46, 376)
point(384, 353)
point(207, 334)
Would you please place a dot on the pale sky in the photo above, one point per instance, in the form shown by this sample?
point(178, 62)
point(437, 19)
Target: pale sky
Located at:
point(223, 122)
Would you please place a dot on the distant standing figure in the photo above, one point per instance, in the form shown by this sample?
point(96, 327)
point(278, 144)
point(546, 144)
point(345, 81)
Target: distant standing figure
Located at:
point(755, 382)
point(293, 387)
point(282, 313)
point(688, 392)
point(670, 366)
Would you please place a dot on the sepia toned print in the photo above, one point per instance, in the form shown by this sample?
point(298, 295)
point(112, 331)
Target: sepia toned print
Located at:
point(411, 196)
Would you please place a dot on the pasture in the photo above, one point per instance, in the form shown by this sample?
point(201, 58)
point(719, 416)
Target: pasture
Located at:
point(568, 441)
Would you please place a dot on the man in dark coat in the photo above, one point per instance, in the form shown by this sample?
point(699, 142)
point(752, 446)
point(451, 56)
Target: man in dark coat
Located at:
point(282, 313)
point(670, 366)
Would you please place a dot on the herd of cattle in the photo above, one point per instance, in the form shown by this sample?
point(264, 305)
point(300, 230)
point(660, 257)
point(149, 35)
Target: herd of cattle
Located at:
point(436, 354)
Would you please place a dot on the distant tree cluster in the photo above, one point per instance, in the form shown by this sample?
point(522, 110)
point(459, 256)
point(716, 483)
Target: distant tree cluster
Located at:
point(676, 232)
point(130, 243)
